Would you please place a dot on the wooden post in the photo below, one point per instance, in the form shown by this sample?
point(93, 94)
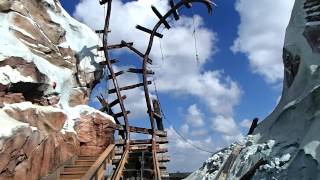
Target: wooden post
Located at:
point(253, 126)
point(156, 108)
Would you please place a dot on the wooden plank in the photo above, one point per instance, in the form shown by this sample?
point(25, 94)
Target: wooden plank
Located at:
point(161, 140)
point(175, 13)
point(136, 51)
point(111, 91)
point(158, 14)
point(115, 102)
point(119, 170)
point(112, 61)
point(253, 126)
point(139, 71)
point(116, 74)
point(103, 158)
point(120, 114)
point(149, 31)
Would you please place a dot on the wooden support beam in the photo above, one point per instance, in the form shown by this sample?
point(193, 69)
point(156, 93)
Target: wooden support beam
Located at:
point(149, 31)
point(100, 31)
point(136, 51)
point(253, 126)
point(162, 140)
point(116, 74)
point(102, 2)
point(139, 71)
point(175, 13)
point(158, 14)
point(115, 102)
point(128, 87)
point(160, 133)
point(115, 46)
point(120, 114)
point(112, 61)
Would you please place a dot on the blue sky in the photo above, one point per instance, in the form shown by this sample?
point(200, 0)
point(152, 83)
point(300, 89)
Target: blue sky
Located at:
point(245, 61)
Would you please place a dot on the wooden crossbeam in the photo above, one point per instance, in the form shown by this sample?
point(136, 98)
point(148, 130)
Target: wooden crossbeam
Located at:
point(163, 140)
point(149, 31)
point(139, 71)
point(159, 133)
point(115, 102)
point(102, 2)
point(175, 13)
point(128, 87)
point(120, 114)
point(136, 51)
point(112, 61)
point(116, 46)
point(100, 31)
point(116, 74)
point(158, 14)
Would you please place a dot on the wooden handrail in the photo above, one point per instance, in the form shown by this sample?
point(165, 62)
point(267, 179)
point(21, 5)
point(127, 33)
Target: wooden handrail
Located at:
point(118, 172)
point(92, 172)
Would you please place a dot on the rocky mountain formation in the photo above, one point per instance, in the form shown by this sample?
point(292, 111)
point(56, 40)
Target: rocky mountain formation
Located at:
point(48, 66)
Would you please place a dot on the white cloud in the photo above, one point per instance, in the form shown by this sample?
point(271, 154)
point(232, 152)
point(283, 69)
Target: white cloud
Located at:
point(261, 35)
point(227, 127)
point(246, 123)
point(194, 117)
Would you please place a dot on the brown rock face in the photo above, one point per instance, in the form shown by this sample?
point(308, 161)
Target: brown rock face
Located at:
point(94, 134)
point(31, 154)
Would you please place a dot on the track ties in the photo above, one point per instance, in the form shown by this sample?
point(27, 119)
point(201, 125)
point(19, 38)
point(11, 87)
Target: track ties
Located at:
point(175, 13)
point(115, 74)
point(120, 114)
point(116, 46)
point(149, 31)
point(139, 71)
point(136, 51)
point(100, 31)
point(102, 2)
point(111, 91)
point(158, 14)
point(115, 102)
point(112, 61)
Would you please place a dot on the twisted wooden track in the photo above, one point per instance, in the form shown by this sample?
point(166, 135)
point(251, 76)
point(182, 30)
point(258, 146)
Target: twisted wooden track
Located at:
point(138, 149)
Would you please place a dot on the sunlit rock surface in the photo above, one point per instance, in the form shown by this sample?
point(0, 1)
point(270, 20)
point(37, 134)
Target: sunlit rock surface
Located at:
point(289, 138)
point(48, 67)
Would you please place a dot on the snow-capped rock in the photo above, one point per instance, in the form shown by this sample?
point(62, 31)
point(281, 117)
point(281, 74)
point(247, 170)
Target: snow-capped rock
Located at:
point(48, 66)
point(287, 143)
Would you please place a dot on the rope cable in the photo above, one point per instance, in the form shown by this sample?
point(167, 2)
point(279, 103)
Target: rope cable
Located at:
point(175, 130)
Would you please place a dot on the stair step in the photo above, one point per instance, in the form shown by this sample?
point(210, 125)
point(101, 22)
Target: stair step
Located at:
point(85, 162)
point(76, 167)
point(87, 157)
point(71, 176)
point(73, 172)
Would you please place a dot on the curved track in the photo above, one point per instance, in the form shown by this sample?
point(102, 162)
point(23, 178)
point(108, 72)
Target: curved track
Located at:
point(153, 108)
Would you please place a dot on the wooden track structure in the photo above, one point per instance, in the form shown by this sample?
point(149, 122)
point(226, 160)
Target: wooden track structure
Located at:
point(143, 158)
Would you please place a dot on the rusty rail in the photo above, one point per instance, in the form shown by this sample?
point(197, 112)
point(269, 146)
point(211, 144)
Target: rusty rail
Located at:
point(96, 171)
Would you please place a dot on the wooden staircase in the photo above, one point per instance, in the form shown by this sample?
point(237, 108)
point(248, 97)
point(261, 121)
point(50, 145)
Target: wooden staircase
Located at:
point(88, 167)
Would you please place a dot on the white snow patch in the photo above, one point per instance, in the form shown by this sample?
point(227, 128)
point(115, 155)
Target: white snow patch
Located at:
point(9, 75)
point(9, 125)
